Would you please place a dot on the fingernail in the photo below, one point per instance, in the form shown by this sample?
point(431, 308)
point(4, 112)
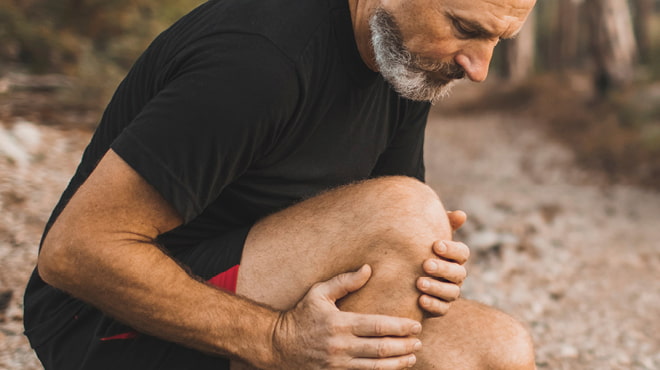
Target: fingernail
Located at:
point(432, 266)
point(442, 247)
point(412, 360)
point(416, 329)
point(418, 346)
point(424, 284)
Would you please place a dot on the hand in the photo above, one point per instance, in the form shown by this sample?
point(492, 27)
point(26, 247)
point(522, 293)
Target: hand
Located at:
point(446, 274)
point(317, 335)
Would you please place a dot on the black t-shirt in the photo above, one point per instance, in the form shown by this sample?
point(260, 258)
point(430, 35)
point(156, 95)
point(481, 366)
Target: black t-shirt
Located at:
point(240, 109)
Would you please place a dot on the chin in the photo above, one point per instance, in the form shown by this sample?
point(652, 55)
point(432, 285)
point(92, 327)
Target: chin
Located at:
point(432, 92)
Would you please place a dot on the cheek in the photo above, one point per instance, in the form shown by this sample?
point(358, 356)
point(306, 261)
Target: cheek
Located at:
point(439, 46)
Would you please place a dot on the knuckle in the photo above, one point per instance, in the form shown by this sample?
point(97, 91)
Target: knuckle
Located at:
point(428, 303)
point(342, 279)
point(336, 325)
point(334, 348)
point(379, 327)
point(382, 350)
point(332, 363)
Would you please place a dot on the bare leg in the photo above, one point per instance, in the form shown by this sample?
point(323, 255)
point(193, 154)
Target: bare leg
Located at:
point(389, 223)
point(475, 336)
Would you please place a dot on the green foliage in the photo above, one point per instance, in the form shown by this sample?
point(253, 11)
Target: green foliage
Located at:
point(76, 37)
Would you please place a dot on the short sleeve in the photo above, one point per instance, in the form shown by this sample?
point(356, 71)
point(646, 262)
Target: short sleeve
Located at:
point(222, 109)
point(404, 155)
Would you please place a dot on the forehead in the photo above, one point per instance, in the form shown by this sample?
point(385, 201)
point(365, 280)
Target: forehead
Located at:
point(501, 17)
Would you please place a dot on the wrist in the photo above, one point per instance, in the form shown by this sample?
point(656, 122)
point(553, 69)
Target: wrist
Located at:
point(269, 351)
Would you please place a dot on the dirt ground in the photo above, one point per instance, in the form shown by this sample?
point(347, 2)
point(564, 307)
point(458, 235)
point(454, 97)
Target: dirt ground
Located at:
point(575, 258)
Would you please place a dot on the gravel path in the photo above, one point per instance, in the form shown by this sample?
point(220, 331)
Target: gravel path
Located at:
point(577, 260)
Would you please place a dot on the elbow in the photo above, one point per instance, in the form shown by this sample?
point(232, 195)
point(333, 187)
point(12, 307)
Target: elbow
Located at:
point(56, 261)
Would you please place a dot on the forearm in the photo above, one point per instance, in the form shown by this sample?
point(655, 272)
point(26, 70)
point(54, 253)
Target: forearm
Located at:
point(136, 283)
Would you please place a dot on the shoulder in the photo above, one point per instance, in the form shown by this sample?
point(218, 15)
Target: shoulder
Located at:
point(288, 25)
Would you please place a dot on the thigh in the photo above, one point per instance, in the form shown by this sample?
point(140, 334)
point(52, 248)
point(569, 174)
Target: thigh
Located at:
point(389, 223)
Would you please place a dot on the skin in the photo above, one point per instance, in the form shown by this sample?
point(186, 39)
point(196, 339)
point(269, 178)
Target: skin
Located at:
point(463, 32)
point(103, 242)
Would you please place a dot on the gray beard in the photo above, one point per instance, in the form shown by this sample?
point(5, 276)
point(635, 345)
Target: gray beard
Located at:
point(397, 64)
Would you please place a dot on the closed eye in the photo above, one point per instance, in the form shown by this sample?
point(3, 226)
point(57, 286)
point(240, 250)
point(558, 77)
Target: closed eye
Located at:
point(464, 31)
point(467, 29)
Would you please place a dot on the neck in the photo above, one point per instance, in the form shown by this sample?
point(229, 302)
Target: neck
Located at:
point(360, 12)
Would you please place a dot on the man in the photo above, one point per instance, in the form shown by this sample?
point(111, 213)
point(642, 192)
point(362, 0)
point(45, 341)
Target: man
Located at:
point(212, 154)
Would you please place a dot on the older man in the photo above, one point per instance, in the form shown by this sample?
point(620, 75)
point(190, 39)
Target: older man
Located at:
point(283, 137)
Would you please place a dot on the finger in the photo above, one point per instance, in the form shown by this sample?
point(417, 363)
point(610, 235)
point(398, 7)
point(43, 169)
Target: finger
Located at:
point(434, 306)
point(392, 363)
point(452, 250)
point(446, 270)
point(456, 219)
point(364, 325)
point(342, 284)
point(439, 289)
point(384, 347)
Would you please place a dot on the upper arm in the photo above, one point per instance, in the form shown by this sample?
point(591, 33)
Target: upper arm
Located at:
point(114, 204)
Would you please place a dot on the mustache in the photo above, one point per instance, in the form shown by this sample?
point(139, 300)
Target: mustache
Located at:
point(449, 70)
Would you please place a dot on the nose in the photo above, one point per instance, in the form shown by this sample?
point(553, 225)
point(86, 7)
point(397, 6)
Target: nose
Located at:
point(475, 59)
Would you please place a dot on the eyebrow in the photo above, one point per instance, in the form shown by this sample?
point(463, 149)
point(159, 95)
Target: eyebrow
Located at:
point(475, 29)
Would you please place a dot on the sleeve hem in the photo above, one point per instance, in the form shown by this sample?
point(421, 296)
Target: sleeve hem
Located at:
point(157, 173)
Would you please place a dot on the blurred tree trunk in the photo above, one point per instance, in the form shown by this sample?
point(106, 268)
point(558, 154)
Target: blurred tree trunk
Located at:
point(567, 37)
point(643, 18)
point(612, 43)
point(520, 52)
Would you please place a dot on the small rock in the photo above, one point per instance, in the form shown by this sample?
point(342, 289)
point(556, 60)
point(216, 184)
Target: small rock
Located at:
point(483, 240)
point(5, 298)
point(623, 359)
point(568, 351)
point(647, 363)
point(11, 149)
point(549, 212)
point(27, 133)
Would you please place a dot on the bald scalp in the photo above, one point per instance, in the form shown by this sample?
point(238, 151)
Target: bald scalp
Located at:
point(502, 19)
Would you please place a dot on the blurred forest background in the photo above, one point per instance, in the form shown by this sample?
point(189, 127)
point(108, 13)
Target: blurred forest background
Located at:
point(587, 69)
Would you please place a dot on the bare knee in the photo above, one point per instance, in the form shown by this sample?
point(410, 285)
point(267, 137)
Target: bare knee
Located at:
point(403, 210)
point(401, 219)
